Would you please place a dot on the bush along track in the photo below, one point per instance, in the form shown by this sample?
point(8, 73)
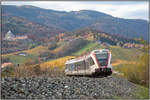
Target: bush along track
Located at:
point(69, 88)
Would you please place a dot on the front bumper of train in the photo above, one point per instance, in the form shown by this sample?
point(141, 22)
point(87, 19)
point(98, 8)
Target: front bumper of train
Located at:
point(103, 70)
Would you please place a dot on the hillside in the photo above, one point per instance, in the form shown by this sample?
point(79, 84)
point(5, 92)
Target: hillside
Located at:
point(69, 21)
point(22, 26)
point(78, 43)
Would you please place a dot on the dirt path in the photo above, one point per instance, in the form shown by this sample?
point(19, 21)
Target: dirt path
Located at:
point(118, 62)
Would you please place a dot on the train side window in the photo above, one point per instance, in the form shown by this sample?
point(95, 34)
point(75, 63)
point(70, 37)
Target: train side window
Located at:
point(80, 65)
point(89, 62)
point(72, 67)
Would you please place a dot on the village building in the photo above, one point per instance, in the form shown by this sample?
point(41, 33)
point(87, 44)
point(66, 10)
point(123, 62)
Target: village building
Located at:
point(22, 54)
point(21, 37)
point(68, 39)
point(133, 45)
point(106, 44)
point(98, 41)
point(9, 36)
point(6, 64)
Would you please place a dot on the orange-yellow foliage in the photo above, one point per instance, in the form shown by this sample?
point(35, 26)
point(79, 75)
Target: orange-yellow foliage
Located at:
point(118, 62)
point(60, 62)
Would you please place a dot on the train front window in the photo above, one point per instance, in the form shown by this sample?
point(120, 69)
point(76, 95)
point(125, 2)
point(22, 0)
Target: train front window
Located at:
point(102, 59)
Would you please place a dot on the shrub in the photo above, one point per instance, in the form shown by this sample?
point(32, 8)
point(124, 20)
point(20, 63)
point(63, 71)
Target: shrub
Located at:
point(47, 54)
point(8, 71)
point(4, 59)
point(52, 46)
point(30, 62)
point(37, 70)
point(72, 46)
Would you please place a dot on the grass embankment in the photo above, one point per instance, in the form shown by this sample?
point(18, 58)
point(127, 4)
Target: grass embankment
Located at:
point(124, 54)
point(18, 59)
point(37, 50)
point(143, 93)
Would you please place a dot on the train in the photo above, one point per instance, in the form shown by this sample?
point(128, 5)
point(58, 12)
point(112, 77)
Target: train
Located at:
point(97, 62)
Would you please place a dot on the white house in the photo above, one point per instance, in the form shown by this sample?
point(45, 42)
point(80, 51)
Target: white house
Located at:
point(9, 36)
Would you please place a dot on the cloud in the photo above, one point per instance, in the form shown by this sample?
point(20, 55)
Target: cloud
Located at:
point(124, 9)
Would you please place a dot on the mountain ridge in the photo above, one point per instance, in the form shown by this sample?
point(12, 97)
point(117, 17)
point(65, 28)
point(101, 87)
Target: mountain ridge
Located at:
point(73, 20)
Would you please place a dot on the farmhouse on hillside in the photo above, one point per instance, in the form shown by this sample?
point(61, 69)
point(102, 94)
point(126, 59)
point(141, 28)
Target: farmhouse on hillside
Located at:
point(11, 37)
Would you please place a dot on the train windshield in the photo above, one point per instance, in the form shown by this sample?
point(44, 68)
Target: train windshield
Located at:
point(102, 59)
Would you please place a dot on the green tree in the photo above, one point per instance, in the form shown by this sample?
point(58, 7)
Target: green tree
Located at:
point(32, 45)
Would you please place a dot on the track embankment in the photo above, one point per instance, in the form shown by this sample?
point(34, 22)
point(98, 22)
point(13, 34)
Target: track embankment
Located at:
point(67, 88)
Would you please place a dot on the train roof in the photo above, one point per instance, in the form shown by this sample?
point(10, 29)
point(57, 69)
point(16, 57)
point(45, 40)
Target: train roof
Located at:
point(75, 60)
point(83, 57)
point(101, 50)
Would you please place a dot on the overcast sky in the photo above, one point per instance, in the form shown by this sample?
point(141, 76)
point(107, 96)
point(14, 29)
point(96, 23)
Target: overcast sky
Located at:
point(123, 9)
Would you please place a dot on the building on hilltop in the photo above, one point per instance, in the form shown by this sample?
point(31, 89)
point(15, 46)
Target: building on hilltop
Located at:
point(22, 54)
point(9, 36)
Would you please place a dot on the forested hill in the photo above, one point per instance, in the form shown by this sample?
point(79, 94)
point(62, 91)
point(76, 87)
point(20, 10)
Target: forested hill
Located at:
point(69, 21)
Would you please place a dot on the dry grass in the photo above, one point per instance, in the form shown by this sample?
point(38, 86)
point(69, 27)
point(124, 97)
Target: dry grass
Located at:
point(51, 68)
point(60, 62)
point(37, 50)
point(32, 71)
point(58, 49)
point(119, 62)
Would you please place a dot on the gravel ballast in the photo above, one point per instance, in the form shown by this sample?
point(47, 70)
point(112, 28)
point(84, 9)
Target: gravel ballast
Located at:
point(67, 88)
